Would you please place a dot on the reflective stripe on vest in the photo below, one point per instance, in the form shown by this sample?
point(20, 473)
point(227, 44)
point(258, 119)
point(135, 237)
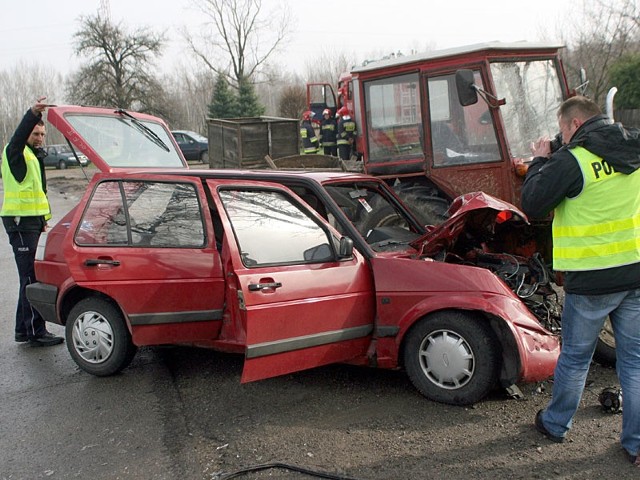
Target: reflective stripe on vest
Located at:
point(26, 198)
point(600, 228)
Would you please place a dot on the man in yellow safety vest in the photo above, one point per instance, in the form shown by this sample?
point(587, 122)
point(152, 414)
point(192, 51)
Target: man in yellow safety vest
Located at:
point(25, 211)
point(592, 184)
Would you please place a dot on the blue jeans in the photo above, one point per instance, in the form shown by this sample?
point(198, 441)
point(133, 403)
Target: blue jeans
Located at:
point(582, 319)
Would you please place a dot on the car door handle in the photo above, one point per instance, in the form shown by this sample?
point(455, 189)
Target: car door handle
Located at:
point(92, 262)
point(254, 287)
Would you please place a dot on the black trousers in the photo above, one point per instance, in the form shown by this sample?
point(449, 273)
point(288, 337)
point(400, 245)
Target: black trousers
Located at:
point(28, 320)
point(344, 151)
point(333, 150)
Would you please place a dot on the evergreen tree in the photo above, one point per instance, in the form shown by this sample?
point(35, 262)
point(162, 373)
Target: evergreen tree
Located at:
point(624, 75)
point(224, 103)
point(248, 103)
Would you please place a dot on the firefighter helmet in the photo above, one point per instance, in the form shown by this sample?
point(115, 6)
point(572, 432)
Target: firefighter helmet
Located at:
point(326, 111)
point(343, 112)
point(308, 115)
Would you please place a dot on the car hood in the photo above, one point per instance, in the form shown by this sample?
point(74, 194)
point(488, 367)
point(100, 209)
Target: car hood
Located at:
point(474, 214)
point(117, 139)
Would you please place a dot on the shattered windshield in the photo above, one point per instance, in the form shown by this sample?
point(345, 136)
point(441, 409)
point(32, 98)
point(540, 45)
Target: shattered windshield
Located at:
point(375, 216)
point(121, 142)
point(533, 94)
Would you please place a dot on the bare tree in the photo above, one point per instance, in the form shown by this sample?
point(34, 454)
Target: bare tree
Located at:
point(20, 86)
point(327, 67)
point(293, 101)
point(240, 38)
point(119, 71)
point(187, 98)
point(605, 32)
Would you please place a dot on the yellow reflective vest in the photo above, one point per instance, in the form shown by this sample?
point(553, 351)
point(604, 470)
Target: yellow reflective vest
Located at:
point(26, 198)
point(600, 228)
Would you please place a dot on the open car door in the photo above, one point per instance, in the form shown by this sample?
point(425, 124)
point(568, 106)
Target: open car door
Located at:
point(303, 304)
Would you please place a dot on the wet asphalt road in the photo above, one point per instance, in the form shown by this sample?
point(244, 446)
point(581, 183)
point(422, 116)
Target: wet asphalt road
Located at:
point(57, 422)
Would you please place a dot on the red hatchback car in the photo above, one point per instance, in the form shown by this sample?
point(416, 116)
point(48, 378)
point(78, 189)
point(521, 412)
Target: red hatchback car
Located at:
point(292, 269)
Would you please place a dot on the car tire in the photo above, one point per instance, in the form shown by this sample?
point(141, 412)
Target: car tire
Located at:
point(62, 165)
point(97, 337)
point(204, 156)
point(452, 357)
point(605, 353)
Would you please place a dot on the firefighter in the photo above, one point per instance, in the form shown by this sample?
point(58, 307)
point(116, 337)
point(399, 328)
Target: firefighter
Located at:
point(308, 134)
point(346, 133)
point(328, 133)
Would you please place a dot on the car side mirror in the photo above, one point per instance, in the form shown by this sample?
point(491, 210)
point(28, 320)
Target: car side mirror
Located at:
point(465, 85)
point(346, 248)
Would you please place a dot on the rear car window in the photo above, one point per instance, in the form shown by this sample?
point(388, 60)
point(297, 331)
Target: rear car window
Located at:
point(143, 214)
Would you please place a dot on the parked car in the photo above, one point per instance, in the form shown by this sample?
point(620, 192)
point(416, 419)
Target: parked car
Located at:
point(292, 269)
point(61, 157)
point(193, 145)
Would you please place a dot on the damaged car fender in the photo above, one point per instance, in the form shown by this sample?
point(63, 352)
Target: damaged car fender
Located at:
point(409, 292)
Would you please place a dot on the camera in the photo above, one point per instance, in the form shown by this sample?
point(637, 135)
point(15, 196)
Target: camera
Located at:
point(556, 142)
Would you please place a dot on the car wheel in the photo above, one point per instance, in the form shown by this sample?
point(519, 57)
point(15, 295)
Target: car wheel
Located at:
point(452, 357)
point(605, 353)
point(62, 165)
point(204, 157)
point(97, 337)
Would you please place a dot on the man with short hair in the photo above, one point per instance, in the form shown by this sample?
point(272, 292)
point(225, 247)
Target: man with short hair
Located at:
point(25, 211)
point(592, 184)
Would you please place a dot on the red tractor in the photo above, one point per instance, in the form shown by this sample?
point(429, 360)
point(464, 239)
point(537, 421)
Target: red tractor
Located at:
point(423, 128)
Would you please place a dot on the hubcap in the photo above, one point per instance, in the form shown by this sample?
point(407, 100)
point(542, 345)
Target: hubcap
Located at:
point(447, 359)
point(93, 337)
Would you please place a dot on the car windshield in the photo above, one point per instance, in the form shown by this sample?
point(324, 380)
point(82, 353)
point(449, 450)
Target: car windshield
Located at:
point(120, 143)
point(533, 94)
point(383, 224)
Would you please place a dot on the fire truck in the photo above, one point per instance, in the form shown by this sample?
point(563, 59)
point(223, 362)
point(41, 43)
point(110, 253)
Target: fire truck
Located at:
point(444, 123)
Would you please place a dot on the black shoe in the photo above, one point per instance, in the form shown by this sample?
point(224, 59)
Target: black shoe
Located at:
point(22, 337)
point(46, 340)
point(635, 459)
point(542, 429)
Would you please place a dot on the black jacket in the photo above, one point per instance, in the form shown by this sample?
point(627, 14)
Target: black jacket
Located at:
point(328, 131)
point(550, 180)
point(18, 167)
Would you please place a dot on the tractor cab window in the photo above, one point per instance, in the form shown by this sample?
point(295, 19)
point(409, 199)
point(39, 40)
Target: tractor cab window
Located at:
point(459, 135)
point(393, 118)
point(533, 95)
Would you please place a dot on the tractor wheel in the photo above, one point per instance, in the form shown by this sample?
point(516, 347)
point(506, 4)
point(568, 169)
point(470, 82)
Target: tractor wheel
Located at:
point(424, 203)
point(605, 353)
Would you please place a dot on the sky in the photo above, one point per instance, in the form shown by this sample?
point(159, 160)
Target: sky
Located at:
point(41, 31)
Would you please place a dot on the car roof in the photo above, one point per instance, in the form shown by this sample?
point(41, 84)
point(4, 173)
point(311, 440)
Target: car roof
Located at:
point(265, 175)
point(188, 132)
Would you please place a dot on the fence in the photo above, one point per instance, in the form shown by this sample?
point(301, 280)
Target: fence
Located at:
point(629, 118)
